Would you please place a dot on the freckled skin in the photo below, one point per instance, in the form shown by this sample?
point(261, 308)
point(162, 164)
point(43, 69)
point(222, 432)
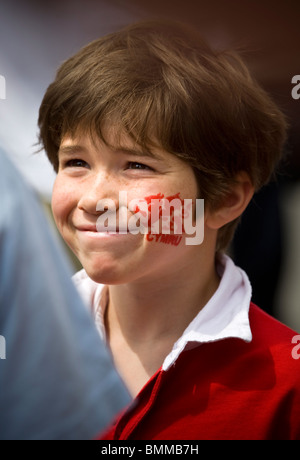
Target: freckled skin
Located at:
point(92, 171)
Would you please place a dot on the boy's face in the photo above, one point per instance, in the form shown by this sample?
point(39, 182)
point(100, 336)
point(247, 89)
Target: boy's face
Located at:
point(90, 172)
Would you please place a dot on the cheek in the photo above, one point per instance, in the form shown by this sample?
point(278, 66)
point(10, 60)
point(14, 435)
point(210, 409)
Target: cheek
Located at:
point(173, 240)
point(62, 202)
point(169, 219)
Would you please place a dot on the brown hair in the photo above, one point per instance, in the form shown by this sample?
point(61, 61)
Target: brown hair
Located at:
point(164, 85)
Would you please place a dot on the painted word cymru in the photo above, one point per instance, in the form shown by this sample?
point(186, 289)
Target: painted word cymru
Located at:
point(2, 87)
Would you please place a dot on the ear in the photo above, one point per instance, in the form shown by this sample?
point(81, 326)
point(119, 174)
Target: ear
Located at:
point(234, 203)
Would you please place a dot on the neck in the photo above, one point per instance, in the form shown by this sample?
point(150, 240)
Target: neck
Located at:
point(158, 310)
point(144, 319)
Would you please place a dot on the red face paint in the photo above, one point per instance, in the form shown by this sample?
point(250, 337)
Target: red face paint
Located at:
point(173, 223)
point(166, 239)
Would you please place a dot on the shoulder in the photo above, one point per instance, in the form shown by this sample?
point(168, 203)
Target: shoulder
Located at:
point(276, 347)
point(272, 338)
point(267, 329)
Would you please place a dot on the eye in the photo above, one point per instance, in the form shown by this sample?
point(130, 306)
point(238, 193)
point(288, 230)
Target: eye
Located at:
point(76, 163)
point(137, 166)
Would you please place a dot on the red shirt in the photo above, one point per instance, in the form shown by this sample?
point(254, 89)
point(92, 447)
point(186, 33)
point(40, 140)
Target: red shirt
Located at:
point(224, 390)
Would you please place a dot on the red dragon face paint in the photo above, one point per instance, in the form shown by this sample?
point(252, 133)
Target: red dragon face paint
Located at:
point(162, 219)
point(165, 218)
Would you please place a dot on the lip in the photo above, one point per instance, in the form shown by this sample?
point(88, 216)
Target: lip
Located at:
point(86, 228)
point(91, 231)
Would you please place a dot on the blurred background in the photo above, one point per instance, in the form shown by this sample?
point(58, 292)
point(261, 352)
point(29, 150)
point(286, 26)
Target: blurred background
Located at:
point(36, 37)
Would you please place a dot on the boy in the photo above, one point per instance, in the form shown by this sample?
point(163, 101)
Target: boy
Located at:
point(152, 111)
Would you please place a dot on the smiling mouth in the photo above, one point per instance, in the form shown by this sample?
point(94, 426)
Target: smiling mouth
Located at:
point(92, 230)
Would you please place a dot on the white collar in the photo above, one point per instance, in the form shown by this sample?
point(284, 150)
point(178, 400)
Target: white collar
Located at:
point(226, 315)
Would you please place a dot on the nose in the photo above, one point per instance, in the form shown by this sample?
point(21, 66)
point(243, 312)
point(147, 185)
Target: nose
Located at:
point(99, 187)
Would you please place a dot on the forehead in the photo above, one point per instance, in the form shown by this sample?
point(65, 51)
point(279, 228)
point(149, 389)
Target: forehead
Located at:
point(116, 141)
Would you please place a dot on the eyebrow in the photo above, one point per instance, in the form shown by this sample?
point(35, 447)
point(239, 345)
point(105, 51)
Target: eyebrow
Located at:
point(71, 149)
point(135, 152)
point(77, 149)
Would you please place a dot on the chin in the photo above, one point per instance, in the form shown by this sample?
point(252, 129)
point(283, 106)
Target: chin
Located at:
point(104, 272)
